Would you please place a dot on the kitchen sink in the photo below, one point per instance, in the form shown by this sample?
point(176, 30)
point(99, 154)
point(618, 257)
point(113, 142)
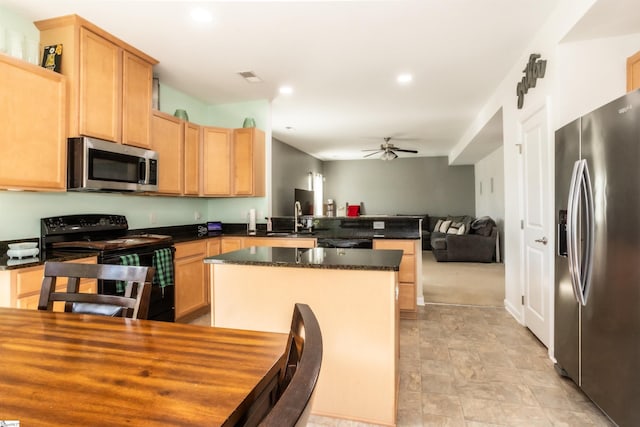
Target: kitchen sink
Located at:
point(289, 233)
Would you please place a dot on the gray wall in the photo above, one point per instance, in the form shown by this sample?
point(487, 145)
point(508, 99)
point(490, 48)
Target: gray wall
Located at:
point(420, 185)
point(291, 168)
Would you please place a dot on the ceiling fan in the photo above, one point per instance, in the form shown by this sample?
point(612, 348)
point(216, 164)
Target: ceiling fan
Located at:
point(388, 150)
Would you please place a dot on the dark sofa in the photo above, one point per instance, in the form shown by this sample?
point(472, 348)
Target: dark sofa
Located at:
point(463, 239)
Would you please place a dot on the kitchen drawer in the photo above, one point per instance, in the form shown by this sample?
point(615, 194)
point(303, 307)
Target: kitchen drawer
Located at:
point(407, 271)
point(280, 242)
point(30, 302)
point(188, 249)
point(406, 296)
point(407, 246)
point(29, 280)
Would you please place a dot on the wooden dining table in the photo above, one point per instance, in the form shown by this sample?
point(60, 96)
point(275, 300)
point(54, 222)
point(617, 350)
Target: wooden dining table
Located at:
point(85, 370)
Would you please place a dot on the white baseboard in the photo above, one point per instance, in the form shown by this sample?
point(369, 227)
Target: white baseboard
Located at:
point(420, 300)
point(516, 312)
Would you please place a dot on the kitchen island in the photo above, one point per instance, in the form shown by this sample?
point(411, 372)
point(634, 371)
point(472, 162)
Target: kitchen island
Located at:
point(354, 295)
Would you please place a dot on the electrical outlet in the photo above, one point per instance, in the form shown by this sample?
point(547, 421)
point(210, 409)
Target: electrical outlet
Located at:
point(197, 215)
point(153, 219)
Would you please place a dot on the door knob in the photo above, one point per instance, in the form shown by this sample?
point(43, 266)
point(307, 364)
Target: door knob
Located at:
point(543, 240)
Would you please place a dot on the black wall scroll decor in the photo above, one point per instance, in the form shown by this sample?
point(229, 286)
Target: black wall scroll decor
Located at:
point(534, 70)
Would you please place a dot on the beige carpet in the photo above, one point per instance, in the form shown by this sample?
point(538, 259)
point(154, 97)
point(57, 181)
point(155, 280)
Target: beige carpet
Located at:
point(465, 283)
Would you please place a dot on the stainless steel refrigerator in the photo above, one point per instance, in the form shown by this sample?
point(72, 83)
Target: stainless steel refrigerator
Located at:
point(597, 268)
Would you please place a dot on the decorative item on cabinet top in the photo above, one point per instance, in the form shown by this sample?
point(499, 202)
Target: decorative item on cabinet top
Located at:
point(249, 122)
point(182, 114)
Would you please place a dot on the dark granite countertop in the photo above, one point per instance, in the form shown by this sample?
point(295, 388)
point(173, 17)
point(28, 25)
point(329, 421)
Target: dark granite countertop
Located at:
point(406, 227)
point(325, 258)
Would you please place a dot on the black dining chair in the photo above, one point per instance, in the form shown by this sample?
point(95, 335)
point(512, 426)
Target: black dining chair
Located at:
point(289, 403)
point(134, 304)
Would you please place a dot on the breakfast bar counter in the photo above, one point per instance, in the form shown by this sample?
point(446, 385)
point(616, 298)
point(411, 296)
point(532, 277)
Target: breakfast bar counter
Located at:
point(354, 294)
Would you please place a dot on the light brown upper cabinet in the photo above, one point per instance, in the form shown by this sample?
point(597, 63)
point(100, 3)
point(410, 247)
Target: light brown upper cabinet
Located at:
point(33, 133)
point(167, 139)
point(192, 164)
point(248, 162)
point(633, 72)
point(216, 162)
point(233, 162)
point(110, 82)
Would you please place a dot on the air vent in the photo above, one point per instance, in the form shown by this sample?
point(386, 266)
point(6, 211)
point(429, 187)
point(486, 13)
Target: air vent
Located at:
point(250, 76)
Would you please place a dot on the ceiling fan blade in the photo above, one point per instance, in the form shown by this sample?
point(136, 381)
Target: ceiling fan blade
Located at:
point(372, 154)
point(372, 149)
point(406, 151)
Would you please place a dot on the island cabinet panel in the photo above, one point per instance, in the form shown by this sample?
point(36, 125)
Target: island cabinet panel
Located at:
point(168, 141)
point(408, 275)
point(110, 81)
point(33, 136)
point(21, 286)
point(248, 162)
point(190, 278)
point(192, 163)
point(358, 316)
point(216, 168)
point(633, 72)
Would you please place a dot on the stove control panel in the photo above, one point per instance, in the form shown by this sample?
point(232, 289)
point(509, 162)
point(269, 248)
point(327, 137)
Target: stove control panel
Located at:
point(69, 224)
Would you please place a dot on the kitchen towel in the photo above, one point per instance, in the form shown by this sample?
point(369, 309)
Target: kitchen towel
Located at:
point(163, 263)
point(131, 259)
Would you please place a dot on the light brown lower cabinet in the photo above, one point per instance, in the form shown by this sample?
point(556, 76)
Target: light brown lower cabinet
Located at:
point(20, 287)
point(408, 274)
point(233, 243)
point(190, 279)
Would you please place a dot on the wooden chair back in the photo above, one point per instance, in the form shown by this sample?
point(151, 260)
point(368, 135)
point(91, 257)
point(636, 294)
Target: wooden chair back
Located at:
point(297, 382)
point(134, 304)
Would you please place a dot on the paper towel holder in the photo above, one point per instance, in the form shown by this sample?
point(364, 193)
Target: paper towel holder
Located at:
point(251, 222)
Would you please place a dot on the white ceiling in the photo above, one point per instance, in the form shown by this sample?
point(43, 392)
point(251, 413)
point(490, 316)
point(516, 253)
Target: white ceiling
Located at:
point(340, 57)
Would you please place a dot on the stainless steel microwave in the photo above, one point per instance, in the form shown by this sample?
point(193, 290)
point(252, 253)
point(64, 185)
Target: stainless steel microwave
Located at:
point(97, 165)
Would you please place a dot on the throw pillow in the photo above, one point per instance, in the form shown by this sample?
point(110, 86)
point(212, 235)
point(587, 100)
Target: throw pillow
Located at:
point(445, 226)
point(438, 224)
point(462, 230)
point(454, 228)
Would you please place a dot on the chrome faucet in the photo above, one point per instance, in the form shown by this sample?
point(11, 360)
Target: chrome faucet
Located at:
point(297, 212)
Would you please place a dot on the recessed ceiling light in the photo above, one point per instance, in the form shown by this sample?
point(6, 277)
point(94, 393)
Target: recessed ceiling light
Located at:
point(405, 78)
point(199, 14)
point(286, 90)
point(289, 128)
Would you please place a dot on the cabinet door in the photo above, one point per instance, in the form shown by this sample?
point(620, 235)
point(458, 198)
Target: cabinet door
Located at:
point(191, 278)
point(167, 140)
point(216, 148)
point(230, 244)
point(100, 87)
point(192, 165)
point(137, 76)
point(248, 162)
point(633, 72)
point(33, 135)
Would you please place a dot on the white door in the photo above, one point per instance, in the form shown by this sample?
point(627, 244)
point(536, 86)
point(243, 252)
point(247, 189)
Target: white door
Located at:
point(538, 246)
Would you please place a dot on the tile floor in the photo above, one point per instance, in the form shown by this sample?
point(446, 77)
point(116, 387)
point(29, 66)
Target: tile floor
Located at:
point(476, 366)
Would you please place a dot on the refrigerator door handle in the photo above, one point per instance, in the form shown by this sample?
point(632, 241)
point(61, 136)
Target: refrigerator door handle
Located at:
point(580, 268)
point(572, 232)
point(587, 261)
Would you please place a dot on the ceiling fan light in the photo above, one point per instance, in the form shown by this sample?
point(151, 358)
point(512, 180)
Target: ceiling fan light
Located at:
point(388, 155)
